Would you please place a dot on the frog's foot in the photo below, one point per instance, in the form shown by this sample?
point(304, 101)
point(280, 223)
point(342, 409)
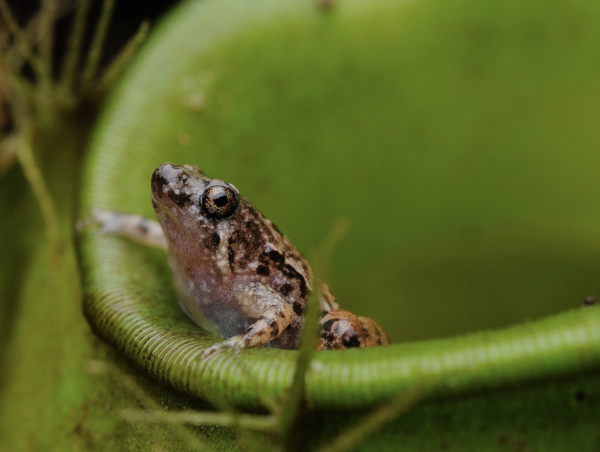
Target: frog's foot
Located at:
point(134, 227)
point(340, 329)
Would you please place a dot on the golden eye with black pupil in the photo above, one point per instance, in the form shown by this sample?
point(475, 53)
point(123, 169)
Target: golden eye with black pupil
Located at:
point(219, 202)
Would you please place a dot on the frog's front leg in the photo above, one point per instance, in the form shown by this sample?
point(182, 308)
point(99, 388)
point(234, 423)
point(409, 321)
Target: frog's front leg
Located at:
point(134, 227)
point(277, 314)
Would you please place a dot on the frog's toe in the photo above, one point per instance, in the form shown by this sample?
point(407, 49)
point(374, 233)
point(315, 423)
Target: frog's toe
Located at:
point(220, 347)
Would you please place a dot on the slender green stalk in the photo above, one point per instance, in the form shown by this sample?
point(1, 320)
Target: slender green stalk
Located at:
point(23, 44)
point(122, 60)
point(19, 98)
point(34, 176)
point(248, 421)
point(8, 152)
point(93, 59)
point(293, 409)
point(321, 258)
point(19, 90)
point(358, 432)
point(73, 54)
point(326, 248)
point(45, 33)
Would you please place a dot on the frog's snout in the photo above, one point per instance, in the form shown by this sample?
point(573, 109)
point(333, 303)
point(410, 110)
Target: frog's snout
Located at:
point(168, 183)
point(165, 174)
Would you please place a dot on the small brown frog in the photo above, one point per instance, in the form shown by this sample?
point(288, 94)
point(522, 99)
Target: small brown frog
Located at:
point(235, 273)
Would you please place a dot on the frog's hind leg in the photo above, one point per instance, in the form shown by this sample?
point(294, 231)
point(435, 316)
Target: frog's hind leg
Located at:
point(134, 227)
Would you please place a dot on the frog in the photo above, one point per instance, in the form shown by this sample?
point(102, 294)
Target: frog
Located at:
point(235, 273)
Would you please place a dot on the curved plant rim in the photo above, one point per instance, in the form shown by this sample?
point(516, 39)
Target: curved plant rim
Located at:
point(132, 308)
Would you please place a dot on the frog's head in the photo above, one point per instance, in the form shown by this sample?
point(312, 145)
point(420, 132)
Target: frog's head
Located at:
point(210, 228)
point(187, 188)
point(189, 204)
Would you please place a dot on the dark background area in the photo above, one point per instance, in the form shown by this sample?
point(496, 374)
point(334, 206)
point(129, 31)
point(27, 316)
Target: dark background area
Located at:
point(126, 19)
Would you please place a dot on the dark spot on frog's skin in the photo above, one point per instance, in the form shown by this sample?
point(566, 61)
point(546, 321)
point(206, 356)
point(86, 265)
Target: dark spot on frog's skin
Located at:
point(298, 308)
point(275, 259)
point(291, 272)
point(263, 270)
point(276, 256)
point(327, 326)
point(216, 238)
point(327, 336)
point(286, 289)
point(589, 300)
point(351, 339)
point(230, 257)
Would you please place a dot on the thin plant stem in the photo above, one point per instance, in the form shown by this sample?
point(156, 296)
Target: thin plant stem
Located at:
point(8, 152)
point(17, 91)
point(11, 81)
point(294, 407)
point(93, 59)
point(326, 248)
point(23, 44)
point(46, 33)
point(358, 432)
point(73, 54)
point(122, 60)
point(34, 176)
point(248, 421)
point(15, 58)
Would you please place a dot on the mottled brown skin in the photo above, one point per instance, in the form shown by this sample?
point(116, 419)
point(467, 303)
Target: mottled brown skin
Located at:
point(236, 275)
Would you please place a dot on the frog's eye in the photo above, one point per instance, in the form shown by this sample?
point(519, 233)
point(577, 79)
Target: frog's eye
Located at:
point(219, 202)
